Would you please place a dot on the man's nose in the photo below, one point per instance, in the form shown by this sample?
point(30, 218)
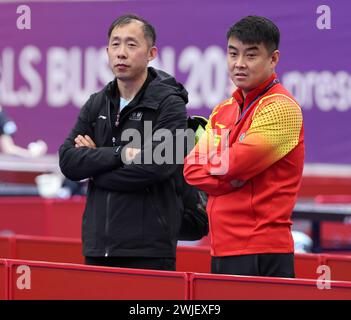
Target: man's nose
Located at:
point(240, 62)
point(121, 52)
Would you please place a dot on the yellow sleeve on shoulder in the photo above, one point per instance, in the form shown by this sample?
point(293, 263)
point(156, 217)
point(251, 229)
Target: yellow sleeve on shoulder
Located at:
point(278, 122)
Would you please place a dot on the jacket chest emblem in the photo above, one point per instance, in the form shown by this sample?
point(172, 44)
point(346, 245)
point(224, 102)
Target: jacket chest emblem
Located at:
point(136, 116)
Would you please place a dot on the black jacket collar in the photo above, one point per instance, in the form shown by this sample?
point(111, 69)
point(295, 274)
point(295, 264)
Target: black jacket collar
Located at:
point(158, 86)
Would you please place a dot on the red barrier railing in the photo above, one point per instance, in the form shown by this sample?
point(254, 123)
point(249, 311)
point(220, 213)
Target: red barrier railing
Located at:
point(225, 287)
point(340, 266)
point(306, 265)
point(23, 279)
point(72, 282)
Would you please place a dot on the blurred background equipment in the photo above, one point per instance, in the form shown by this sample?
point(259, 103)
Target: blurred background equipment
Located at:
point(49, 185)
point(7, 144)
point(302, 242)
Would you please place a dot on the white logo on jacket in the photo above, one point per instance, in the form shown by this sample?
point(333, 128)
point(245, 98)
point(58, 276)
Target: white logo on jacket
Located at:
point(137, 116)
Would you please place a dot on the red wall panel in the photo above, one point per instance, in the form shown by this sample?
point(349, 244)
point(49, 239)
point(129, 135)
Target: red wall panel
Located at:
point(71, 282)
point(3, 281)
point(221, 287)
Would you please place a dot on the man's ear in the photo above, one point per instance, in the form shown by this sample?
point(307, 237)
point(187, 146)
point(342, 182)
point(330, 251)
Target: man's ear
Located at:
point(152, 53)
point(275, 58)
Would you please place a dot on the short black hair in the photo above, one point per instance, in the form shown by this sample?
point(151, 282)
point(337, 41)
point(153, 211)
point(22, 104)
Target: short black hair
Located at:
point(149, 30)
point(256, 30)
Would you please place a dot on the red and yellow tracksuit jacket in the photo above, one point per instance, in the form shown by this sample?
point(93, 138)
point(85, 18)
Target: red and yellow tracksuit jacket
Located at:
point(252, 189)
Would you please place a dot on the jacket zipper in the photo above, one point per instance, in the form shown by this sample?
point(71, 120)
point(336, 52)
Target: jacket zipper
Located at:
point(108, 104)
point(109, 194)
point(120, 119)
point(113, 139)
point(107, 224)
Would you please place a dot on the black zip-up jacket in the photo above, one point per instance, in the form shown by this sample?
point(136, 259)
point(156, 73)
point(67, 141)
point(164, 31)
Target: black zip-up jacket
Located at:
point(131, 209)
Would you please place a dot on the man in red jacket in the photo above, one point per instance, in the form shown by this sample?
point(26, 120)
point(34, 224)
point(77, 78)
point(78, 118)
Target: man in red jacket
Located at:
point(250, 160)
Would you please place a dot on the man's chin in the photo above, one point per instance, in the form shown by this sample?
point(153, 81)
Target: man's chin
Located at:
point(122, 77)
point(240, 84)
point(243, 85)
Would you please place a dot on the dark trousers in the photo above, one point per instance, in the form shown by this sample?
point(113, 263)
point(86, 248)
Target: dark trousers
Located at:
point(267, 265)
point(133, 262)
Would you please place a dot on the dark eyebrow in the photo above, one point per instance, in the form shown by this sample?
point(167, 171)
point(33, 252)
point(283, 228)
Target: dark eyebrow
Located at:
point(253, 48)
point(127, 39)
point(131, 39)
point(114, 38)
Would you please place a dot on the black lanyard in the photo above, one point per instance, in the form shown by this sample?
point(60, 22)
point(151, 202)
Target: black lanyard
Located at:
point(273, 83)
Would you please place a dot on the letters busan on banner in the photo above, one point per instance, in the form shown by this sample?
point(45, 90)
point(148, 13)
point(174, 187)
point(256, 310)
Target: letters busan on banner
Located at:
point(73, 73)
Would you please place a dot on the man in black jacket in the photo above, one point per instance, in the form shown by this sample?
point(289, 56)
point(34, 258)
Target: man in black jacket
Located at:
point(134, 209)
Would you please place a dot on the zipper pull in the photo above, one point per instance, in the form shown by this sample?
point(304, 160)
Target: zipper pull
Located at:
point(117, 119)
